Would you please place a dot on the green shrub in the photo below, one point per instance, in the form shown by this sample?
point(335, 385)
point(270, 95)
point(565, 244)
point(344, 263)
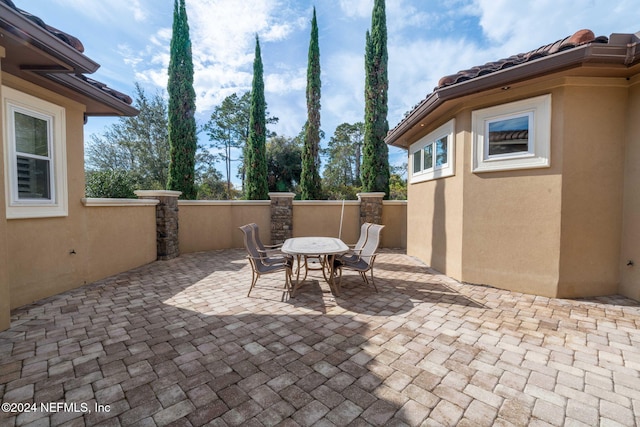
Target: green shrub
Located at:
point(116, 184)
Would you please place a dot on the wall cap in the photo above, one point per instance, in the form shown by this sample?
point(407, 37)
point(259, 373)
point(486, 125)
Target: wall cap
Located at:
point(283, 195)
point(375, 194)
point(96, 201)
point(224, 202)
point(157, 193)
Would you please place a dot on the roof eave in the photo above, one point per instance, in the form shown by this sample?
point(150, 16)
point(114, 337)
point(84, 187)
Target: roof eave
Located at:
point(593, 53)
point(115, 105)
point(13, 22)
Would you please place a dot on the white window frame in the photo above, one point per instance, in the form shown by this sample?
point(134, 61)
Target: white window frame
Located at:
point(433, 171)
point(538, 153)
point(57, 205)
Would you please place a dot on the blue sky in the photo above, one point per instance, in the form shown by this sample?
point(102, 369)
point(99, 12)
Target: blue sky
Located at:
point(427, 39)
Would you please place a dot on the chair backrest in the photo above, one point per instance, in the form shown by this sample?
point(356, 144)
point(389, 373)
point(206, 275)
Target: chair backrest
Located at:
point(250, 241)
point(256, 236)
point(364, 230)
point(371, 245)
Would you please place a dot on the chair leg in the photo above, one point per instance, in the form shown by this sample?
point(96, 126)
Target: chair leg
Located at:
point(254, 279)
point(373, 281)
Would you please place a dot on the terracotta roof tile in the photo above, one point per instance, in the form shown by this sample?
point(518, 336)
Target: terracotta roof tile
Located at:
point(579, 38)
point(67, 38)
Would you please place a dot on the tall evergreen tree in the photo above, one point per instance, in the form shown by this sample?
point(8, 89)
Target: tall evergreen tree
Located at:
point(375, 161)
point(310, 179)
point(257, 187)
point(182, 107)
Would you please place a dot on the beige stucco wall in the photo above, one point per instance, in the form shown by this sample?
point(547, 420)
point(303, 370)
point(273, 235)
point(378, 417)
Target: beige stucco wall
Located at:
point(593, 136)
point(119, 238)
point(46, 256)
point(553, 231)
point(434, 214)
point(322, 218)
point(394, 218)
point(209, 225)
point(5, 294)
point(630, 246)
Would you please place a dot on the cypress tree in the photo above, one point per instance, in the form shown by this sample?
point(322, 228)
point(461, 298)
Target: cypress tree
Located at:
point(182, 107)
point(257, 187)
point(375, 161)
point(310, 178)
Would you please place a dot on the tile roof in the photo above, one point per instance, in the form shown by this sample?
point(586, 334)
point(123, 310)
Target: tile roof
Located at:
point(76, 44)
point(579, 38)
point(67, 38)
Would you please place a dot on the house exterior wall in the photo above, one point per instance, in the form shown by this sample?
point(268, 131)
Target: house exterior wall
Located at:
point(593, 140)
point(435, 212)
point(5, 292)
point(630, 248)
point(46, 256)
point(552, 231)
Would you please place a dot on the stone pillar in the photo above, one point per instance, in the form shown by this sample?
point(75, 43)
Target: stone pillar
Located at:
point(281, 217)
point(166, 221)
point(370, 207)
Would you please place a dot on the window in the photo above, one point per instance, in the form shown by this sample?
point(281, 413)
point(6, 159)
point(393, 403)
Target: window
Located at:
point(433, 154)
point(512, 136)
point(34, 156)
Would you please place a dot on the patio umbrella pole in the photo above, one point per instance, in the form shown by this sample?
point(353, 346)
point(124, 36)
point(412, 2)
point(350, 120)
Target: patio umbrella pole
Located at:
point(341, 216)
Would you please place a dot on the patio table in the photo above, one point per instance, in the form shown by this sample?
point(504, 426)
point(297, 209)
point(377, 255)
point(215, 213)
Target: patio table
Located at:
point(324, 248)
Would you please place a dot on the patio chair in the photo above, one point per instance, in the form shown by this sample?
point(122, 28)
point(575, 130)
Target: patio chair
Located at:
point(353, 254)
point(271, 251)
point(262, 264)
point(362, 262)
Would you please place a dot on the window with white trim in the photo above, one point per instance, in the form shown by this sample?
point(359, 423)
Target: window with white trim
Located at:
point(432, 156)
point(511, 136)
point(35, 158)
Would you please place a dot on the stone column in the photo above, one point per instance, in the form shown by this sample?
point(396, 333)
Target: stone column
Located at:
point(281, 217)
point(370, 207)
point(166, 221)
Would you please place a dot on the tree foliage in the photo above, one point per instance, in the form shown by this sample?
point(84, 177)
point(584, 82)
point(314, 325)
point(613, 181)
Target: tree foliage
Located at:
point(228, 131)
point(344, 156)
point(182, 107)
point(375, 166)
point(110, 183)
point(310, 178)
point(284, 163)
point(138, 146)
point(255, 155)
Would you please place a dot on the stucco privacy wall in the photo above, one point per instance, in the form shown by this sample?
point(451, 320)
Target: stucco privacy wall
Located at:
point(213, 224)
point(630, 251)
point(210, 225)
point(5, 295)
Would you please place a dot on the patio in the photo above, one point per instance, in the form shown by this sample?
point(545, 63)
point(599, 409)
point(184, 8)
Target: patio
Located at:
point(177, 342)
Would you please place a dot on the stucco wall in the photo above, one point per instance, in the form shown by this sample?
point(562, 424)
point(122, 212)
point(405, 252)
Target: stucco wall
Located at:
point(434, 215)
point(593, 134)
point(5, 294)
point(209, 225)
point(119, 238)
point(630, 251)
point(46, 256)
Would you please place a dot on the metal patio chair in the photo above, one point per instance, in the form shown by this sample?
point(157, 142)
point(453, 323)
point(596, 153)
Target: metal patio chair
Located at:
point(262, 264)
point(362, 262)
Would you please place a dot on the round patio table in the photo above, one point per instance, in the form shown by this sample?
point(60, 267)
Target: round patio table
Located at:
point(324, 248)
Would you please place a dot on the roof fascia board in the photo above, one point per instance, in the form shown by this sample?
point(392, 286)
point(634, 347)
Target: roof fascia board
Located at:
point(92, 92)
point(19, 26)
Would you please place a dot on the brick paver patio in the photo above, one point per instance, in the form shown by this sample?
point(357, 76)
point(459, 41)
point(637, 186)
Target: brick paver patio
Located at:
point(178, 343)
